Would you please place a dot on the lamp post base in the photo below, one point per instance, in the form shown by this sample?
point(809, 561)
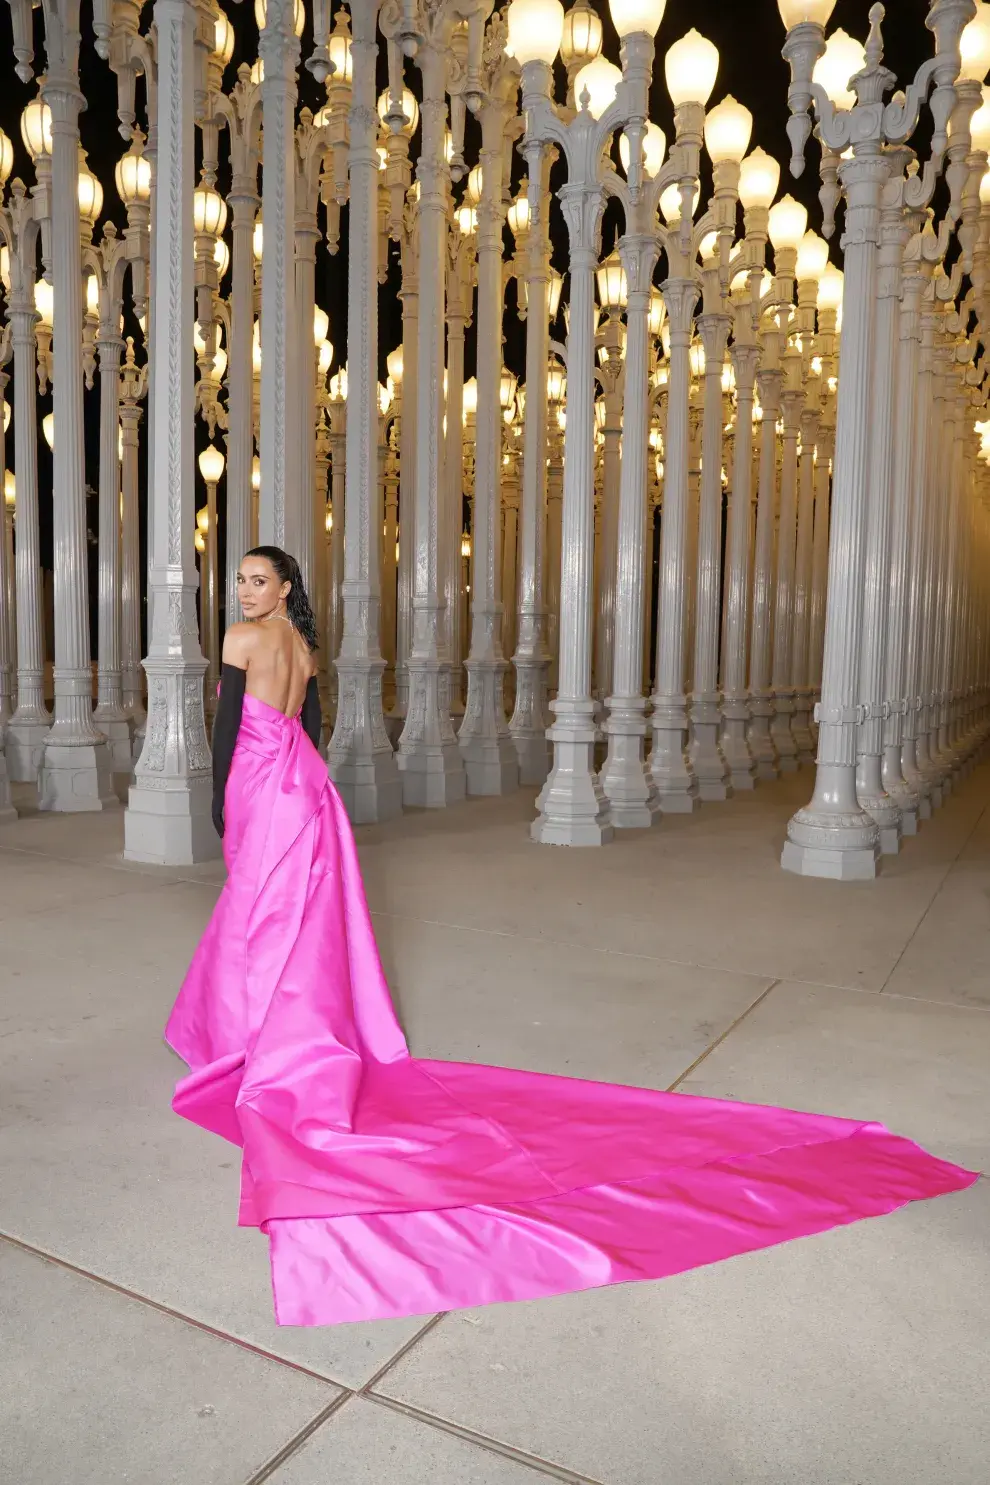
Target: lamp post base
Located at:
point(171, 826)
point(76, 779)
point(573, 808)
point(25, 746)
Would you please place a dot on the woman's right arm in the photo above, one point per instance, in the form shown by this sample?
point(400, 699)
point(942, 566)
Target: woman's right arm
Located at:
point(226, 724)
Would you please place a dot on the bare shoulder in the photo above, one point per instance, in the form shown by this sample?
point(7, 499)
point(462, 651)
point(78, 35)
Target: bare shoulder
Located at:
point(239, 644)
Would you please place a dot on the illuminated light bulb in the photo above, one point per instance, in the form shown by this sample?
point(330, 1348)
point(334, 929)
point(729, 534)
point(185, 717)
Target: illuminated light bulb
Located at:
point(48, 429)
point(830, 288)
point(697, 357)
point(211, 465)
point(321, 325)
point(44, 302)
point(985, 190)
point(974, 46)
point(518, 215)
point(339, 52)
point(221, 257)
point(535, 30)
point(325, 357)
point(298, 15)
point(474, 186)
point(92, 294)
point(556, 383)
point(338, 386)
point(613, 291)
point(794, 12)
point(467, 220)
point(9, 489)
point(256, 474)
point(410, 110)
point(258, 240)
point(657, 313)
point(759, 177)
point(599, 79)
point(979, 127)
point(199, 541)
point(812, 258)
point(708, 248)
point(258, 73)
point(395, 365)
point(691, 67)
point(670, 203)
point(654, 150)
point(90, 192)
point(728, 128)
point(36, 128)
point(582, 35)
point(223, 39)
point(466, 546)
point(132, 176)
point(469, 404)
point(788, 222)
point(630, 17)
point(728, 378)
point(209, 211)
point(842, 59)
point(6, 158)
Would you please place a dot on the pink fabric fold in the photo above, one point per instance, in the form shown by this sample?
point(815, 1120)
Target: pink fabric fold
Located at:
point(390, 1185)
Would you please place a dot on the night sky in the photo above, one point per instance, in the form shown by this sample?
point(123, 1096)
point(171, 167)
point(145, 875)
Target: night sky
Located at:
point(748, 33)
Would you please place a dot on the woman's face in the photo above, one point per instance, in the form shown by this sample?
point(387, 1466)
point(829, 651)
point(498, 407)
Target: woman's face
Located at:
point(259, 590)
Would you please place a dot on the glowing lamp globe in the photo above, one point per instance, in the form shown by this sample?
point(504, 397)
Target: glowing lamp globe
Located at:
point(518, 215)
point(697, 356)
point(256, 474)
point(812, 257)
point(599, 79)
point(582, 35)
point(985, 190)
point(258, 240)
point(338, 386)
point(654, 150)
point(556, 383)
point(830, 288)
point(9, 489)
point(223, 39)
point(48, 429)
point(92, 294)
point(613, 292)
point(469, 405)
point(708, 247)
point(979, 127)
point(338, 50)
point(787, 224)
point(536, 28)
point(132, 175)
point(90, 193)
point(842, 59)
point(395, 365)
point(209, 211)
point(656, 314)
point(632, 16)
point(474, 186)
point(759, 177)
point(974, 46)
point(221, 257)
point(36, 128)
point(321, 324)
point(691, 67)
point(728, 127)
point(670, 203)
point(298, 15)
point(410, 110)
point(794, 12)
point(467, 220)
point(507, 384)
point(325, 358)
point(44, 302)
point(258, 73)
point(211, 464)
point(555, 289)
point(6, 158)
point(6, 416)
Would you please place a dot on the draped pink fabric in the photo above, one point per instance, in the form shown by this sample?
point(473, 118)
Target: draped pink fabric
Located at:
point(390, 1185)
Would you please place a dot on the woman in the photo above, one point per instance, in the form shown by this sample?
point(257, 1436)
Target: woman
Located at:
point(389, 1185)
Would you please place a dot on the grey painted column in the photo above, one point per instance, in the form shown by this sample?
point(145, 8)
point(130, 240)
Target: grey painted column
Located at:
point(111, 715)
point(409, 295)
point(8, 600)
point(243, 203)
point(168, 817)
point(792, 405)
point(359, 757)
point(75, 766)
point(133, 387)
point(735, 618)
point(770, 382)
point(301, 512)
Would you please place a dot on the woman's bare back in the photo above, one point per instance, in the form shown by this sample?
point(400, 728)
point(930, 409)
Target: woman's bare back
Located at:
point(278, 662)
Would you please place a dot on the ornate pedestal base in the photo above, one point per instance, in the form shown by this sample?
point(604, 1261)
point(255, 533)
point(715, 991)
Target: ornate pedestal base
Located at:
point(625, 779)
point(7, 812)
point(528, 725)
point(168, 820)
point(491, 765)
point(168, 823)
point(707, 761)
point(670, 771)
point(801, 729)
point(733, 744)
point(360, 759)
point(841, 846)
point(429, 761)
point(76, 778)
point(573, 807)
point(758, 737)
point(781, 736)
point(118, 732)
point(24, 747)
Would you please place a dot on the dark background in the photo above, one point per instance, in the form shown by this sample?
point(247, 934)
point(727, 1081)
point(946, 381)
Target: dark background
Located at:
point(749, 37)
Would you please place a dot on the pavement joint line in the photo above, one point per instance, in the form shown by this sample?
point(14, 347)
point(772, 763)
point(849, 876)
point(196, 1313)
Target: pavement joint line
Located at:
point(170, 1312)
point(720, 1039)
point(932, 900)
point(403, 1351)
point(300, 1437)
point(534, 1462)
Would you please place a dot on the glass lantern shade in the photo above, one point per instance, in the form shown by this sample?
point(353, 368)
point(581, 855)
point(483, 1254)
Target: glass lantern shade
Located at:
point(211, 465)
point(410, 110)
point(787, 224)
point(974, 46)
point(670, 203)
point(6, 416)
point(475, 184)
point(338, 50)
point(556, 383)
point(691, 67)
point(469, 402)
point(384, 399)
point(812, 258)
point(842, 59)
point(338, 386)
point(467, 220)
point(92, 294)
point(707, 248)
point(555, 288)
point(199, 541)
point(759, 177)
point(601, 414)
point(657, 313)
point(728, 378)
point(321, 324)
point(6, 158)
point(258, 73)
point(202, 526)
point(221, 257)
point(256, 474)
point(325, 360)
point(793, 12)
point(518, 215)
point(36, 128)
point(258, 240)
point(697, 356)
point(631, 16)
point(581, 39)
point(209, 211)
point(44, 302)
point(298, 15)
point(985, 190)
point(654, 150)
point(223, 38)
point(394, 363)
point(90, 193)
point(599, 79)
point(979, 127)
point(830, 288)
point(536, 28)
point(9, 489)
point(48, 429)
point(665, 340)
point(5, 266)
point(613, 292)
point(256, 349)
point(507, 384)
point(728, 128)
point(133, 178)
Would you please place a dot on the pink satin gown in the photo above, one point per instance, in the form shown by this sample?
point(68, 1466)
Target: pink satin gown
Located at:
point(390, 1185)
